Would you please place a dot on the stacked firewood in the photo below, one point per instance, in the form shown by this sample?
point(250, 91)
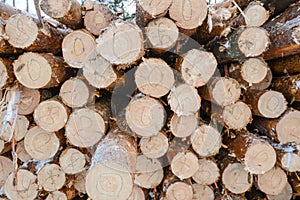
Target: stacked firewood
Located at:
point(191, 102)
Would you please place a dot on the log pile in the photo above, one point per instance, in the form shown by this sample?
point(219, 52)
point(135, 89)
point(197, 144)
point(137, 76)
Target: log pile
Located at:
point(191, 102)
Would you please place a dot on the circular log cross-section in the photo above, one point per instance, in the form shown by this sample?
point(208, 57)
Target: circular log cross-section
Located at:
point(197, 67)
point(184, 165)
point(285, 194)
point(121, 43)
point(85, 128)
point(25, 188)
point(154, 77)
point(290, 162)
point(180, 191)
point(51, 177)
point(57, 195)
point(21, 152)
point(51, 115)
point(273, 181)
point(236, 179)
point(206, 141)
point(78, 47)
point(40, 144)
point(29, 100)
point(149, 172)
point(145, 116)
point(184, 100)
point(155, 146)
point(99, 72)
point(103, 182)
point(5, 169)
point(137, 194)
point(162, 34)
point(237, 116)
point(287, 128)
point(21, 126)
point(254, 70)
point(208, 172)
point(79, 182)
point(96, 20)
point(72, 161)
point(74, 93)
point(184, 125)
point(188, 14)
point(4, 74)
point(21, 30)
point(202, 192)
point(256, 14)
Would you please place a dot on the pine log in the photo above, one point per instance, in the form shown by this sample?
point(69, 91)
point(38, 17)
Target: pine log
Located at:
point(266, 103)
point(7, 76)
point(97, 17)
point(184, 125)
point(99, 73)
point(285, 194)
point(273, 181)
point(21, 126)
point(79, 182)
point(40, 144)
point(56, 195)
point(51, 115)
point(148, 173)
point(188, 15)
point(145, 116)
point(67, 12)
point(154, 77)
point(285, 30)
point(207, 173)
point(184, 100)
point(254, 73)
point(289, 161)
point(22, 153)
point(5, 169)
point(7, 11)
point(241, 44)
point(29, 100)
point(72, 161)
point(286, 65)
point(85, 127)
point(289, 86)
point(51, 177)
point(176, 146)
point(25, 188)
point(137, 194)
point(24, 32)
point(150, 9)
point(283, 129)
point(5, 47)
point(162, 34)
point(257, 154)
point(155, 146)
point(35, 70)
point(197, 67)
point(76, 93)
point(206, 141)
point(179, 190)
point(236, 178)
point(78, 47)
point(222, 91)
point(121, 43)
point(202, 192)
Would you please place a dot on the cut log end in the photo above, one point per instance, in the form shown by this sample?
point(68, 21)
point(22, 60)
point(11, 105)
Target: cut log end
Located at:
point(40, 144)
point(253, 41)
point(272, 104)
point(145, 116)
point(74, 93)
point(254, 70)
point(184, 100)
point(56, 9)
point(198, 67)
point(79, 182)
point(149, 172)
point(206, 141)
point(21, 126)
point(290, 162)
point(29, 100)
point(137, 194)
point(183, 126)
point(22, 153)
point(103, 182)
point(202, 192)
point(236, 179)
point(180, 191)
point(57, 195)
point(237, 115)
point(226, 91)
point(286, 194)
point(21, 30)
point(288, 126)
point(72, 161)
point(155, 146)
point(273, 181)
point(260, 158)
point(85, 128)
point(154, 8)
point(154, 77)
point(51, 115)
point(256, 14)
point(162, 34)
point(3, 74)
point(208, 172)
point(121, 43)
point(184, 165)
point(5, 169)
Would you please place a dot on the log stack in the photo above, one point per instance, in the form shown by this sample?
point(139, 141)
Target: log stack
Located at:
point(193, 101)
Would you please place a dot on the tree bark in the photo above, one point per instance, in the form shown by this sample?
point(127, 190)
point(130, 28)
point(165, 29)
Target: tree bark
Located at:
point(7, 76)
point(286, 65)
